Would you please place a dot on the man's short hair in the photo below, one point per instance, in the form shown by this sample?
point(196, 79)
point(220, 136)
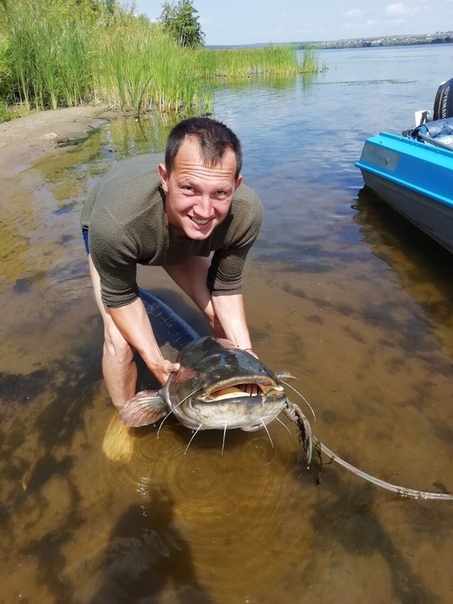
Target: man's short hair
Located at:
point(214, 139)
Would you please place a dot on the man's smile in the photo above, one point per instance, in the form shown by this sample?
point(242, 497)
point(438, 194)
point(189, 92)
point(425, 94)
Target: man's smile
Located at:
point(201, 221)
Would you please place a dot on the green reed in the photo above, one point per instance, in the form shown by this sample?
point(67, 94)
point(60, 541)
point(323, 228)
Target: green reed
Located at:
point(75, 68)
point(140, 69)
point(246, 62)
point(310, 60)
point(48, 54)
point(55, 54)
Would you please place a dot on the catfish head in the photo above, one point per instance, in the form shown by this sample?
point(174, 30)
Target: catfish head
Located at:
point(218, 386)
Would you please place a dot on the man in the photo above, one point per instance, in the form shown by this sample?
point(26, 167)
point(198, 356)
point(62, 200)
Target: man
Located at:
point(191, 216)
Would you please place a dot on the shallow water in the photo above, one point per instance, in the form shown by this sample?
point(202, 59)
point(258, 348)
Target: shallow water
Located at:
point(340, 291)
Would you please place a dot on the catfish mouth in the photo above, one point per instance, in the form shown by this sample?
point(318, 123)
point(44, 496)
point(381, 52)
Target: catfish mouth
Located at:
point(242, 389)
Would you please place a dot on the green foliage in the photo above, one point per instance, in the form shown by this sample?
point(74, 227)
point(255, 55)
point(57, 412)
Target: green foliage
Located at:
point(8, 113)
point(278, 59)
point(141, 68)
point(49, 51)
point(181, 21)
point(56, 53)
point(5, 115)
point(310, 62)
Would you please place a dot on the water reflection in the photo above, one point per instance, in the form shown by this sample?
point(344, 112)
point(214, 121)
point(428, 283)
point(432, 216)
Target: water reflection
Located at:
point(341, 292)
point(424, 268)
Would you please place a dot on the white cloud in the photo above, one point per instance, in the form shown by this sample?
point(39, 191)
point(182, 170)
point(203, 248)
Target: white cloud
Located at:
point(397, 10)
point(355, 12)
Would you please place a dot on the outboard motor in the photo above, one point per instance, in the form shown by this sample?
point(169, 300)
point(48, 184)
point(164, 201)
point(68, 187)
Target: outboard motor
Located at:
point(443, 103)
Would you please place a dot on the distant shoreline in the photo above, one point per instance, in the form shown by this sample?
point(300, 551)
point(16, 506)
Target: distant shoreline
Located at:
point(437, 38)
point(398, 40)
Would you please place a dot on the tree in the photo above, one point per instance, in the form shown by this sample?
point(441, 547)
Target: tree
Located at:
point(181, 21)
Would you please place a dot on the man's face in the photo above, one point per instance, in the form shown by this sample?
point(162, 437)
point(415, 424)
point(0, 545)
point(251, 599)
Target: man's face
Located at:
point(197, 197)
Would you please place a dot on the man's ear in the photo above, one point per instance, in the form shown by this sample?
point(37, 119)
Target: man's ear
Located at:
point(162, 170)
point(238, 182)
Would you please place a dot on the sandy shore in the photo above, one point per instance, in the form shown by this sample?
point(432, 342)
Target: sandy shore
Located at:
point(26, 139)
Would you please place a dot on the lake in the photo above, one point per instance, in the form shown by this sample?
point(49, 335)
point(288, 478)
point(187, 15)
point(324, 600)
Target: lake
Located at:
point(340, 291)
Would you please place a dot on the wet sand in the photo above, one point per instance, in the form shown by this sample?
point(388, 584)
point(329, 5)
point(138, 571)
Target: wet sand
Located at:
point(24, 140)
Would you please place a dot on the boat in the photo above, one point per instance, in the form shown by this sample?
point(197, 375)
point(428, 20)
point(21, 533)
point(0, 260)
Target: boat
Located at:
point(413, 172)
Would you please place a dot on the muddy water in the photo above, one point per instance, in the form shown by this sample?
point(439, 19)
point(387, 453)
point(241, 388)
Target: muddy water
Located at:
point(340, 291)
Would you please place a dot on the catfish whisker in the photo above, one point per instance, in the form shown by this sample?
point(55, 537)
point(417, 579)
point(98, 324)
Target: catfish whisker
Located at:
point(224, 436)
point(189, 395)
point(283, 424)
point(166, 417)
point(267, 431)
point(193, 436)
point(175, 407)
point(301, 396)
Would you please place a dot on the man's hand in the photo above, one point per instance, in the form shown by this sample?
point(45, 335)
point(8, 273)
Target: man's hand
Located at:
point(164, 369)
point(250, 351)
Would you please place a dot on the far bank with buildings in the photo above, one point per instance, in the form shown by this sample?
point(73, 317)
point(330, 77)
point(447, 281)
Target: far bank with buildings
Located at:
point(401, 40)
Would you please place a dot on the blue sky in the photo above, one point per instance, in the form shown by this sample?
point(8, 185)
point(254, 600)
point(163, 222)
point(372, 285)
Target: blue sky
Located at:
point(252, 21)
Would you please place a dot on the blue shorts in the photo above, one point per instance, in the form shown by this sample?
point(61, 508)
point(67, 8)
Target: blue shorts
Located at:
point(85, 240)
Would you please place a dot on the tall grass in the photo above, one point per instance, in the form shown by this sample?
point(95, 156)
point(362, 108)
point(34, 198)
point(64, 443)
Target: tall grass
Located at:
point(47, 54)
point(139, 68)
point(56, 53)
point(310, 60)
point(246, 62)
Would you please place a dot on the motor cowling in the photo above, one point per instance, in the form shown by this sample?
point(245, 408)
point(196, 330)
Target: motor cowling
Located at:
point(443, 102)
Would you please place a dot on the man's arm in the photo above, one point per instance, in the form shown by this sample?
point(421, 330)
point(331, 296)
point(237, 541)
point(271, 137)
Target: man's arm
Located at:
point(134, 324)
point(230, 312)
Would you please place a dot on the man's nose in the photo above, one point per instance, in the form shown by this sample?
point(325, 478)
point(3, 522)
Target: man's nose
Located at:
point(204, 206)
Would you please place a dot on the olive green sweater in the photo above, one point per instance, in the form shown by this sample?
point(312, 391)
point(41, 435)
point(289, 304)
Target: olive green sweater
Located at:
point(125, 215)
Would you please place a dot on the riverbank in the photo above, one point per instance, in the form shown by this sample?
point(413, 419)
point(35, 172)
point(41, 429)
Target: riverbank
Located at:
point(24, 140)
point(396, 40)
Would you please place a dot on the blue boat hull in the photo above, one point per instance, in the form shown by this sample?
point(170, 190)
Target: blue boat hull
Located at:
point(415, 178)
